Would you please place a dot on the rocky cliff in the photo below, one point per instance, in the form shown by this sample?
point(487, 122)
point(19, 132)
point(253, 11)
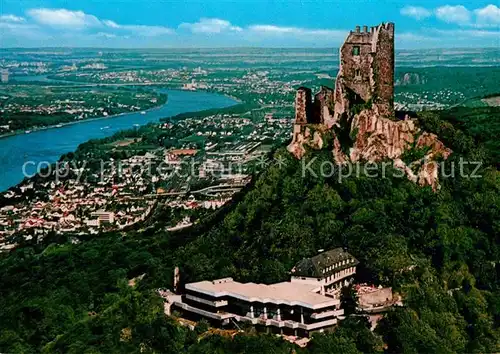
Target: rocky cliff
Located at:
point(374, 138)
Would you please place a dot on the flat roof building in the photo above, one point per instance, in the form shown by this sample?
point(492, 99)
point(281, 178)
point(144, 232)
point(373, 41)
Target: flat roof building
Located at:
point(235, 152)
point(298, 307)
point(104, 216)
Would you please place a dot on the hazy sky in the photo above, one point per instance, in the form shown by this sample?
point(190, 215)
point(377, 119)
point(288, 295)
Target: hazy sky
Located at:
point(241, 23)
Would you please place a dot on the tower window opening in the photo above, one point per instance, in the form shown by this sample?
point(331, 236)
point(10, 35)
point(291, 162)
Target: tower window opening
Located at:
point(355, 50)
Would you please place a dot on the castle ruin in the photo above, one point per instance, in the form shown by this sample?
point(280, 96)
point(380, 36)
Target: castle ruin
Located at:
point(366, 77)
point(359, 112)
point(366, 72)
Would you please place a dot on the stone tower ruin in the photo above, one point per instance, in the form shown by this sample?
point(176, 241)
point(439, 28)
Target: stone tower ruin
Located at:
point(303, 104)
point(366, 74)
point(366, 77)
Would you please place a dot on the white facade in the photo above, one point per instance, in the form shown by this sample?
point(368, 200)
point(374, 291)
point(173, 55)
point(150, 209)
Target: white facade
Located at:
point(293, 307)
point(104, 216)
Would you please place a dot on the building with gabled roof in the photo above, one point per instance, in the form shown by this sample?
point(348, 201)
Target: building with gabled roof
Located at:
point(331, 270)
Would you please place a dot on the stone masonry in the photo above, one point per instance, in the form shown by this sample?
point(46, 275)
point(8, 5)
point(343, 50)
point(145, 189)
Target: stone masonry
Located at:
point(366, 74)
point(362, 108)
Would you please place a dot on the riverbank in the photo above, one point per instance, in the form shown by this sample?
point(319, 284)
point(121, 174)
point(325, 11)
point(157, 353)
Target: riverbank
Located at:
point(47, 145)
point(82, 84)
point(234, 109)
point(29, 108)
point(61, 125)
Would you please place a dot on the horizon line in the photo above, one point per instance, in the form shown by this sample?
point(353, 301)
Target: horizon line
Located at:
point(236, 47)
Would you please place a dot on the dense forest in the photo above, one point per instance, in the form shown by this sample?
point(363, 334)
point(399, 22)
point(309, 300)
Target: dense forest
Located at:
point(440, 250)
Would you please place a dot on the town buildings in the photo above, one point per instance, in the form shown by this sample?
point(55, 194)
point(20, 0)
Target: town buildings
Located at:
point(208, 160)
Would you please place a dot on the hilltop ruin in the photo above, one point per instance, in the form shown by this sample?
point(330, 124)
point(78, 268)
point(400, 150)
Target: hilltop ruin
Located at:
point(360, 110)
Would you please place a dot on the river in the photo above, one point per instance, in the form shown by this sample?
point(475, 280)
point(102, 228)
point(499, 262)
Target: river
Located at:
point(48, 145)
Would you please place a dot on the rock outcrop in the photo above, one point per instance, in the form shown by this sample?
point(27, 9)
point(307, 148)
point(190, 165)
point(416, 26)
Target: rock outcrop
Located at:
point(306, 137)
point(378, 138)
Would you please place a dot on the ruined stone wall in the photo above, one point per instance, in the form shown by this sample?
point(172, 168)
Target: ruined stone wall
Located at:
point(303, 105)
point(383, 68)
point(367, 69)
point(355, 70)
point(322, 113)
